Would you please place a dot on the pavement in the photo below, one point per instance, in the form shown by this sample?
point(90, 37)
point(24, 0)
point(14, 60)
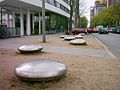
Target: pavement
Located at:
point(14, 43)
point(90, 67)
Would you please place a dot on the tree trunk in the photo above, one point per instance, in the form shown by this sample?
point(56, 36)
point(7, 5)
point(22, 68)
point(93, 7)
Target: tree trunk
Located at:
point(77, 14)
point(71, 15)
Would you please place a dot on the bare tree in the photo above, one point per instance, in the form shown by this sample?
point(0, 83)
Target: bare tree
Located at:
point(72, 5)
point(82, 10)
point(78, 8)
point(76, 13)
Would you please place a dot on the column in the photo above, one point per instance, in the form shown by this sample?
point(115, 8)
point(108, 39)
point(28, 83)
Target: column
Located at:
point(21, 23)
point(13, 22)
point(13, 17)
point(33, 23)
point(1, 15)
point(39, 23)
point(28, 23)
point(8, 20)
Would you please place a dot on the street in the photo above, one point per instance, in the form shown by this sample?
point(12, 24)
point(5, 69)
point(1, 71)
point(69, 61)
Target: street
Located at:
point(111, 41)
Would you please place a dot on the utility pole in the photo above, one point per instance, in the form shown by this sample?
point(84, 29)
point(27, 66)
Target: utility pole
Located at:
point(43, 22)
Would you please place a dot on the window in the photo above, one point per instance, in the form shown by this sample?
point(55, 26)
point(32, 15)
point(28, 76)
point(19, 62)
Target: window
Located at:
point(66, 1)
point(51, 2)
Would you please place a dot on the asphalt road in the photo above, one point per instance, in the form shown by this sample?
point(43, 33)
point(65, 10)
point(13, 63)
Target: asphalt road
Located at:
point(111, 41)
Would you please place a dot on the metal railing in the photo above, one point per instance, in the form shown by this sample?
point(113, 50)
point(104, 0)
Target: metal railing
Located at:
point(8, 32)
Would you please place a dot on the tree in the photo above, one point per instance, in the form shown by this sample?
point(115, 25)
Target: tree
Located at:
point(77, 7)
point(109, 16)
point(72, 3)
point(83, 22)
point(77, 13)
point(114, 11)
point(82, 10)
point(103, 18)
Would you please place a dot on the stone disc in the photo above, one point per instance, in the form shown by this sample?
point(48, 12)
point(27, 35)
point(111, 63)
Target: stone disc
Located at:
point(62, 36)
point(68, 38)
point(40, 70)
point(78, 42)
point(30, 48)
point(79, 37)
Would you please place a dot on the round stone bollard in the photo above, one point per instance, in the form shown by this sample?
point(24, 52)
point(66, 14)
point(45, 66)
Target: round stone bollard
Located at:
point(78, 37)
point(30, 48)
point(78, 42)
point(62, 36)
point(40, 70)
point(68, 38)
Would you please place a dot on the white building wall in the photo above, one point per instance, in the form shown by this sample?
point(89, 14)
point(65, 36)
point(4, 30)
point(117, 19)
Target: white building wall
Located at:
point(52, 8)
point(63, 3)
point(57, 10)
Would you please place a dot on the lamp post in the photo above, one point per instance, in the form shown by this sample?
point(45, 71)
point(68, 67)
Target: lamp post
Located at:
point(43, 22)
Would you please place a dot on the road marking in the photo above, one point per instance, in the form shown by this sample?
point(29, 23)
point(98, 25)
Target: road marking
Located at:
point(107, 50)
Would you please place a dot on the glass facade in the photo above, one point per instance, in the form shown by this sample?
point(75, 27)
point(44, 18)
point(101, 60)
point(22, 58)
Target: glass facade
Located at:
point(53, 23)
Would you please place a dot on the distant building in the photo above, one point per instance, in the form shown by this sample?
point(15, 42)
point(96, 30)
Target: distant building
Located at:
point(110, 2)
point(115, 1)
point(92, 12)
point(99, 5)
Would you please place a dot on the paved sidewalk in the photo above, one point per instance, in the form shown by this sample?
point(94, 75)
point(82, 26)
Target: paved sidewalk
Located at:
point(90, 67)
point(14, 43)
point(76, 51)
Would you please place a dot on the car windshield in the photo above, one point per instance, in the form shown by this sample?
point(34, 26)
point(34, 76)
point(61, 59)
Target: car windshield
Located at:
point(104, 29)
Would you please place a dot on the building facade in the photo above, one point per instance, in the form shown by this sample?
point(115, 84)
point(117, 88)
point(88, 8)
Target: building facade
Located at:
point(110, 2)
point(26, 15)
point(99, 5)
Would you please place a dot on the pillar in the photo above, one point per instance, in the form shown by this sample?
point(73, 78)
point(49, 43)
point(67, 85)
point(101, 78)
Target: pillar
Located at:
point(1, 15)
point(33, 23)
point(13, 17)
point(13, 22)
point(21, 23)
point(28, 23)
point(39, 23)
point(8, 20)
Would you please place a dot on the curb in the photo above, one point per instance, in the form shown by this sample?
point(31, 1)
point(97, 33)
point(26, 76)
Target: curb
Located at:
point(106, 49)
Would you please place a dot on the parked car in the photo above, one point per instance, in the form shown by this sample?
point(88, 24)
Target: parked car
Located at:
point(112, 29)
point(90, 30)
point(95, 30)
point(103, 31)
point(118, 30)
point(78, 30)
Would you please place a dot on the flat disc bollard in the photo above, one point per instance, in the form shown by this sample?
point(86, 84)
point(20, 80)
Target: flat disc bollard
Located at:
point(30, 48)
point(62, 36)
point(78, 37)
point(68, 38)
point(78, 42)
point(40, 70)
